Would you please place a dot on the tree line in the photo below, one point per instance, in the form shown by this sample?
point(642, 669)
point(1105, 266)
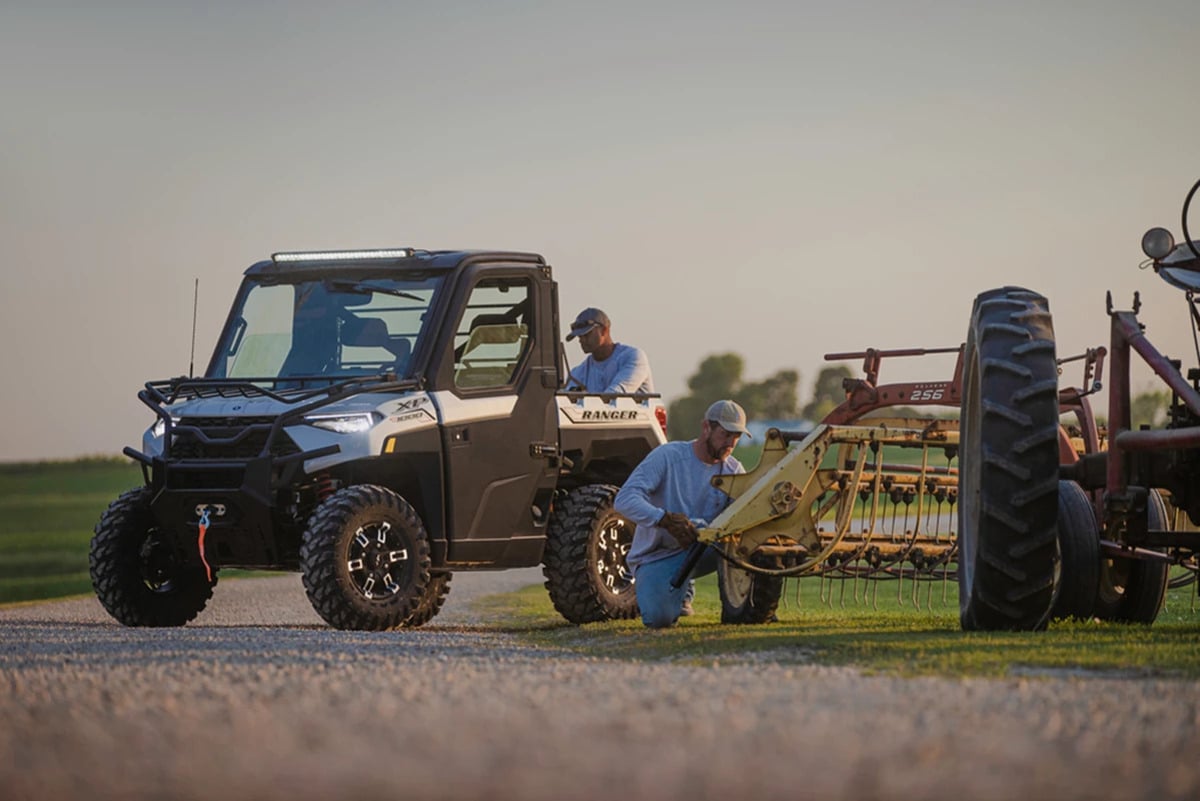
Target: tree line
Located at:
point(777, 397)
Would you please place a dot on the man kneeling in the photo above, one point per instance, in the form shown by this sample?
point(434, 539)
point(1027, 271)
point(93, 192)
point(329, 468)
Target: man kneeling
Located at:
point(668, 496)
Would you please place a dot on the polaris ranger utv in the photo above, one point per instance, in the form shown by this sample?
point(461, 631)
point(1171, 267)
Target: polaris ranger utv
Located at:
point(376, 420)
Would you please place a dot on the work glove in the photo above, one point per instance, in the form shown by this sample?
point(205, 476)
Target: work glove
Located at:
point(679, 527)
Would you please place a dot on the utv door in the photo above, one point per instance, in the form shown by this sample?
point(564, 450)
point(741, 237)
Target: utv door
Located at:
point(497, 380)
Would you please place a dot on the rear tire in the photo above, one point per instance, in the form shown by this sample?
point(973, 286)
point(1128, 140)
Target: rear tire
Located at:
point(1008, 499)
point(365, 559)
point(431, 602)
point(747, 598)
point(135, 573)
point(1079, 551)
point(1133, 590)
point(584, 561)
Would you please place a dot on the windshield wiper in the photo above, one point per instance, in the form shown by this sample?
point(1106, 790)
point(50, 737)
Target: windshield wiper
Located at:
point(354, 286)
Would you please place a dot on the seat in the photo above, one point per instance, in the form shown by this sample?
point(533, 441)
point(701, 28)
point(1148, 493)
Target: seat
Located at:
point(491, 354)
point(372, 332)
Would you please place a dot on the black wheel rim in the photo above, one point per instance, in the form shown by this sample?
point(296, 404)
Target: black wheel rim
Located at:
point(158, 564)
point(378, 560)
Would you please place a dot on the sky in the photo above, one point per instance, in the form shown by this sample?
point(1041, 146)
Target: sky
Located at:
point(774, 179)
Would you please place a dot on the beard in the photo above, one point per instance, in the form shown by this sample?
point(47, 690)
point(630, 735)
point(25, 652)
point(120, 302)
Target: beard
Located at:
point(715, 453)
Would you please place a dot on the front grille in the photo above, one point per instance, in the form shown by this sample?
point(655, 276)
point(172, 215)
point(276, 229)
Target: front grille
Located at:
point(227, 438)
point(227, 479)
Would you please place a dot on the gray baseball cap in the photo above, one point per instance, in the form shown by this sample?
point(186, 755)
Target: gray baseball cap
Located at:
point(587, 320)
point(729, 416)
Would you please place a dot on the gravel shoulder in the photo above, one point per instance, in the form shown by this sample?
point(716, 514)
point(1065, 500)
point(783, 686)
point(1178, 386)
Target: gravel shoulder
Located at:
point(259, 700)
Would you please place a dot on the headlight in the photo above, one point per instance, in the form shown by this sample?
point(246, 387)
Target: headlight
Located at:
point(160, 427)
point(344, 423)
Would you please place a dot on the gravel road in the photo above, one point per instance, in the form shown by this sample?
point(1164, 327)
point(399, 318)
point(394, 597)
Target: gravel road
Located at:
point(259, 700)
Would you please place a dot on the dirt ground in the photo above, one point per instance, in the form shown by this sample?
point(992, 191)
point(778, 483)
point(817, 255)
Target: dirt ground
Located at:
point(258, 699)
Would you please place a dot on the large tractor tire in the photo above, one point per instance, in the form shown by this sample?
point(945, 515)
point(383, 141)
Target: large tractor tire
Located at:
point(137, 576)
point(1133, 590)
point(1079, 551)
point(584, 561)
point(365, 559)
point(1008, 478)
point(747, 597)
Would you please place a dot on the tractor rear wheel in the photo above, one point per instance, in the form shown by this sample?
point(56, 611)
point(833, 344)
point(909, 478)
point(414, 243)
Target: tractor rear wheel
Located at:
point(747, 597)
point(365, 559)
point(1079, 552)
point(584, 561)
point(1133, 590)
point(1008, 493)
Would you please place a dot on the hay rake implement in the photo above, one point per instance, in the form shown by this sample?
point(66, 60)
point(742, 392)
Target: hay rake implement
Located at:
point(1024, 500)
point(871, 495)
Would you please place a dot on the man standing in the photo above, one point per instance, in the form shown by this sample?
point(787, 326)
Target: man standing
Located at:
point(668, 496)
point(608, 366)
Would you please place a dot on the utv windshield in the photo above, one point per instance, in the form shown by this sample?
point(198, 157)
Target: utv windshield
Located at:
point(331, 327)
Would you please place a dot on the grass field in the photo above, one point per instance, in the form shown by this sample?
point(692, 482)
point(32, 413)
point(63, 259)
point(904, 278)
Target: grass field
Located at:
point(47, 513)
point(817, 624)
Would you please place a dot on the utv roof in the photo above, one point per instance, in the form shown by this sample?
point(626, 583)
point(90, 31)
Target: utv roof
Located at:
point(384, 258)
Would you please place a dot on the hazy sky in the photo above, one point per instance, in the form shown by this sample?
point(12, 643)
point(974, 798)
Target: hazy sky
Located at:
point(775, 179)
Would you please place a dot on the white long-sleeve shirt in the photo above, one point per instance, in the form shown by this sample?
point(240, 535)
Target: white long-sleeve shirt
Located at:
point(670, 479)
point(625, 370)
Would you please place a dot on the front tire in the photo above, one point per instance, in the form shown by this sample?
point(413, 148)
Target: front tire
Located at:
point(365, 559)
point(584, 561)
point(1134, 590)
point(1009, 471)
point(136, 573)
point(1079, 550)
point(747, 597)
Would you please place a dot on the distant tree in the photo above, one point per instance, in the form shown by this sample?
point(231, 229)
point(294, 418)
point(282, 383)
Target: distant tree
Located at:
point(717, 376)
point(773, 398)
point(720, 376)
point(1149, 408)
point(827, 392)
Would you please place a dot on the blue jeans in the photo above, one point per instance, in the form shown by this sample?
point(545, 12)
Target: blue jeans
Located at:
point(659, 601)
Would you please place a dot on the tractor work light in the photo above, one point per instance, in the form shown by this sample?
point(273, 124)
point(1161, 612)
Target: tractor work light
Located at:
point(343, 423)
point(1157, 243)
point(342, 255)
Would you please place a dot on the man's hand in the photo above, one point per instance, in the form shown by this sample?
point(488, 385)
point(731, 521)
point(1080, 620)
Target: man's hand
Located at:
point(679, 527)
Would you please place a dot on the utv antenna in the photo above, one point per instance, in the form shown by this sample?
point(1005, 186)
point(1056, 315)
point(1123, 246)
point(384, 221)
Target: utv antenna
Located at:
point(195, 303)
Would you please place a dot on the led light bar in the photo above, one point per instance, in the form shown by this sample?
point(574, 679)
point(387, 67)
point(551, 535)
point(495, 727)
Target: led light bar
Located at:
point(342, 255)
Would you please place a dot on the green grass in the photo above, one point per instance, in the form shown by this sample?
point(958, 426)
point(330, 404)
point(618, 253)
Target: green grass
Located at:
point(876, 635)
point(47, 513)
